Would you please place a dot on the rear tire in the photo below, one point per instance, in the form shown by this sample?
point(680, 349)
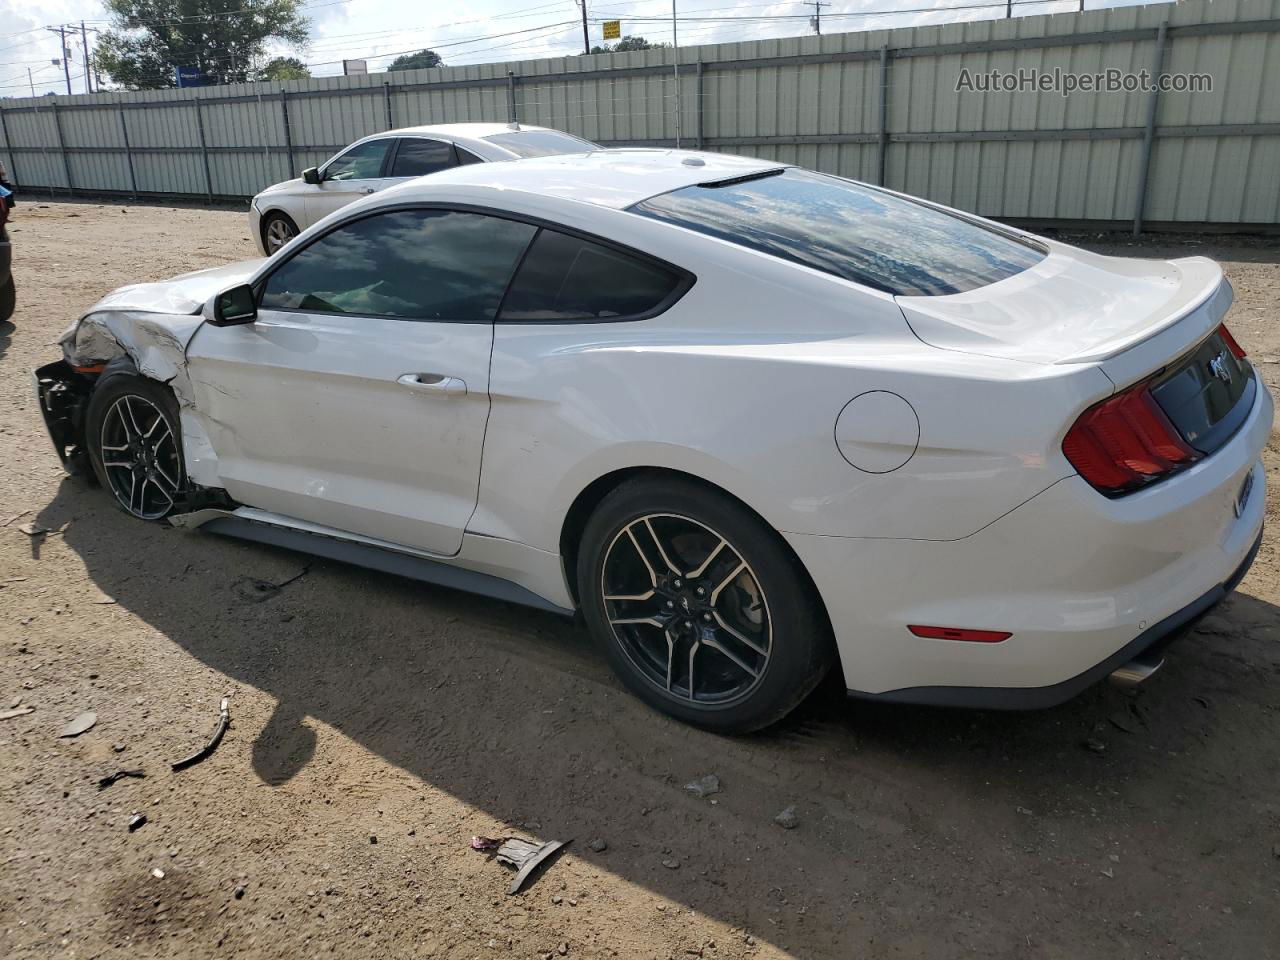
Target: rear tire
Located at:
point(699, 606)
point(277, 230)
point(8, 299)
point(134, 440)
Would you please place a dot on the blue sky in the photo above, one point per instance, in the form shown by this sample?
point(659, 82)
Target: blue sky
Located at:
point(495, 30)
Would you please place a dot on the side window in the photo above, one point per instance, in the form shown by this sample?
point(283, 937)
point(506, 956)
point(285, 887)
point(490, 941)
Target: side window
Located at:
point(363, 162)
point(417, 158)
point(566, 278)
point(413, 264)
point(466, 156)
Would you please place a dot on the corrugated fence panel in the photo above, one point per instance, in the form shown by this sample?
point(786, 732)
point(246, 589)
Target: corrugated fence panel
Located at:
point(1034, 154)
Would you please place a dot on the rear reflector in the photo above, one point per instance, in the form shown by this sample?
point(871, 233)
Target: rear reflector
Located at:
point(1125, 442)
point(955, 633)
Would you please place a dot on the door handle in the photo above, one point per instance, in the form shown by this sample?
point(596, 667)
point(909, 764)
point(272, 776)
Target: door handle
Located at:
point(368, 189)
point(433, 383)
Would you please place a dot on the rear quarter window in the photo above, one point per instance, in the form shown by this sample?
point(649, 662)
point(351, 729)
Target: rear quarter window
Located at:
point(850, 230)
point(564, 278)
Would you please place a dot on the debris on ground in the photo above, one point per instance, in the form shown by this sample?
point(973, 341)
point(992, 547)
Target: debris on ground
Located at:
point(33, 529)
point(111, 778)
point(16, 712)
point(16, 516)
point(136, 821)
point(238, 893)
point(1121, 721)
point(671, 863)
point(704, 786)
point(256, 590)
point(81, 724)
point(787, 819)
point(224, 721)
point(598, 845)
point(157, 873)
point(524, 855)
point(1095, 745)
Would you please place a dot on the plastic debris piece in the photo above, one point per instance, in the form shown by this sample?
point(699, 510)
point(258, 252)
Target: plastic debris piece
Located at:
point(224, 721)
point(16, 712)
point(136, 821)
point(157, 873)
point(111, 778)
point(523, 855)
point(81, 724)
point(704, 786)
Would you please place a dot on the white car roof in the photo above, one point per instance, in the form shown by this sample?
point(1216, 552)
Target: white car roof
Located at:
point(608, 178)
point(458, 131)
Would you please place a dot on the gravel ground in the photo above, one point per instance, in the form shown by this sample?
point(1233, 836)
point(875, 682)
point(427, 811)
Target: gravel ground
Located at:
point(378, 724)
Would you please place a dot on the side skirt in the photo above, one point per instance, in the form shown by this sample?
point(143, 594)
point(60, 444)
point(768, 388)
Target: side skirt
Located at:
point(370, 555)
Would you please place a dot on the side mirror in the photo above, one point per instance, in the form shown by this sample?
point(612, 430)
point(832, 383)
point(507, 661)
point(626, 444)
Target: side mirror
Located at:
point(235, 306)
point(311, 175)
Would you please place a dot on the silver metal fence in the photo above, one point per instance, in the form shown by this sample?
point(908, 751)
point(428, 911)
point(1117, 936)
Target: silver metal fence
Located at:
point(881, 106)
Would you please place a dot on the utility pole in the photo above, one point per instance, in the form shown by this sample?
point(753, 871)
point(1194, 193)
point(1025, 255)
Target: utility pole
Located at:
point(31, 82)
point(816, 19)
point(675, 68)
point(62, 53)
point(84, 42)
point(586, 41)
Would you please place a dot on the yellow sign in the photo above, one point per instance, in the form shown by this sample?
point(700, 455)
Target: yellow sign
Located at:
point(612, 29)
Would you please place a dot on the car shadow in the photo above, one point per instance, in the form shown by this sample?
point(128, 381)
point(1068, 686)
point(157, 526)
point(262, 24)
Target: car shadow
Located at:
point(7, 329)
point(911, 819)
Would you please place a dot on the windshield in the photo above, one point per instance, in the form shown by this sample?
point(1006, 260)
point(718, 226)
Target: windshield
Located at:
point(851, 230)
point(541, 143)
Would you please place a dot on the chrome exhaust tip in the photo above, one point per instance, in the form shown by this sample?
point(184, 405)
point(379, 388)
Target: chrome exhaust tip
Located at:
point(1134, 672)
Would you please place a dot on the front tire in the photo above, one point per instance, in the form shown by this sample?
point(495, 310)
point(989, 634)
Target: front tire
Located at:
point(8, 299)
point(699, 606)
point(135, 444)
point(277, 230)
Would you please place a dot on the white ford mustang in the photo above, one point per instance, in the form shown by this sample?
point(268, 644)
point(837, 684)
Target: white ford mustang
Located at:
point(390, 158)
point(752, 421)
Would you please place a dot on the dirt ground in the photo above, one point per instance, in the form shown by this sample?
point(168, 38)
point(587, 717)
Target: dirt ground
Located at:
point(378, 724)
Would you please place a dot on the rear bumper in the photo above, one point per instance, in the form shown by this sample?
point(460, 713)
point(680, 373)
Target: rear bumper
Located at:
point(1146, 646)
point(1083, 583)
point(255, 226)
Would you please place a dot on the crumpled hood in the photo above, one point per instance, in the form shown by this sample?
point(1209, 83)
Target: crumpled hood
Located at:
point(1072, 307)
point(185, 293)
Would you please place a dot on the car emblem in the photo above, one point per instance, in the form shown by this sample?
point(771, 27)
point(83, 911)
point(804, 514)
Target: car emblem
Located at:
point(1218, 367)
point(685, 605)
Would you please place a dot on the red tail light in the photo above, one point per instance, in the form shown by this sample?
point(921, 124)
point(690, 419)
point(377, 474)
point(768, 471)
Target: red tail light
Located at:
point(1125, 442)
point(1230, 341)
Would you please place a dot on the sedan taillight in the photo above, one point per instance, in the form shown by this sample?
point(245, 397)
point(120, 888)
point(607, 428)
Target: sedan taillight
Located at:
point(1126, 442)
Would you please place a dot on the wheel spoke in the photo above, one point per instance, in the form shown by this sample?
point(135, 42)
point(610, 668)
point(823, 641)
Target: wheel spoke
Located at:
point(661, 552)
point(741, 638)
point(173, 484)
point(702, 567)
point(119, 449)
point(724, 651)
point(133, 421)
point(671, 657)
point(118, 463)
point(692, 652)
point(653, 575)
point(733, 575)
point(616, 597)
point(652, 621)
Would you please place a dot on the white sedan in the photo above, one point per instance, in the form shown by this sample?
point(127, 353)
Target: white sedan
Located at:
point(753, 421)
point(278, 213)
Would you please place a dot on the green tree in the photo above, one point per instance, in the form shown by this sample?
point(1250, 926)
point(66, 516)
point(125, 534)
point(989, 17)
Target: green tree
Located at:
point(223, 38)
point(284, 68)
point(416, 61)
point(629, 43)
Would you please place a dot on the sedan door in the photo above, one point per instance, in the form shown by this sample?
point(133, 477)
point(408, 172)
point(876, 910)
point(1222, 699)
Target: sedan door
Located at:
point(349, 176)
point(358, 398)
